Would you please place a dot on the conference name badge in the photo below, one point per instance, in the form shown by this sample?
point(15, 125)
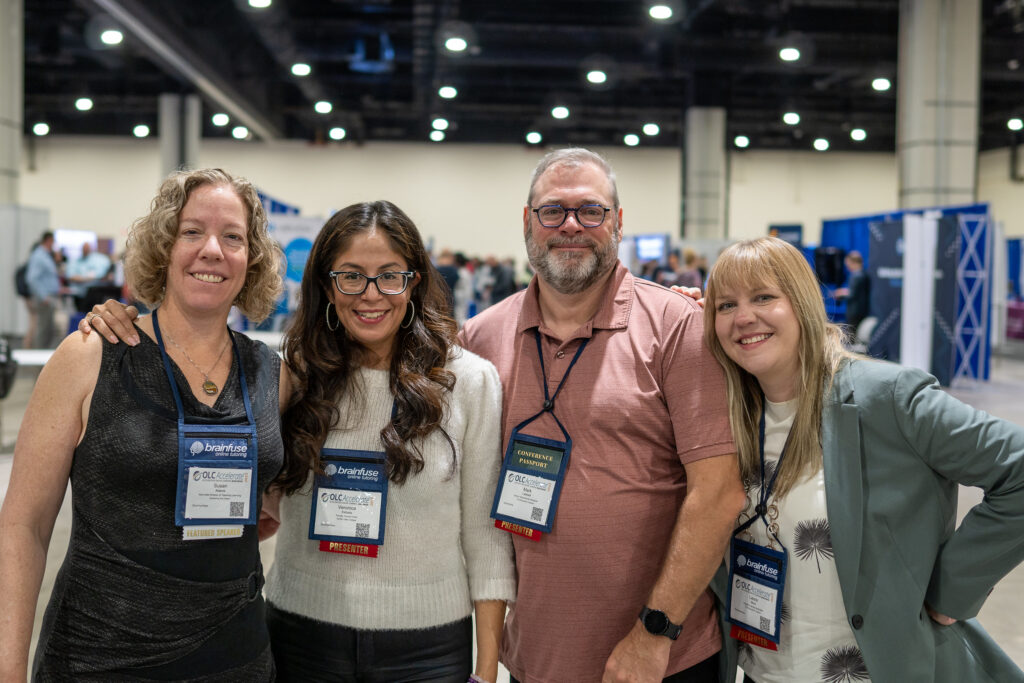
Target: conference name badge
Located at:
point(349, 502)
point(531, 480)
point(217, 487)
point(757, 577)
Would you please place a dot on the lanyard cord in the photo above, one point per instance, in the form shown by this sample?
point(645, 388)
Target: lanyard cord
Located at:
point(765, 492)
point(549, 401)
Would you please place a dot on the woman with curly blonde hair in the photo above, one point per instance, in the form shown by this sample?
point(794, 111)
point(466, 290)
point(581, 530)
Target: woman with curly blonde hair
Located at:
point(169, 444)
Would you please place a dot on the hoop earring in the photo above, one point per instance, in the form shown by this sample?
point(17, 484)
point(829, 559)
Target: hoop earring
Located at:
point(327, 317)
point(412, 307)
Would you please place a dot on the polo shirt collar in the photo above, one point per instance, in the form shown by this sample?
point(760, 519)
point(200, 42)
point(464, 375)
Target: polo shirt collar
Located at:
point(612, 314)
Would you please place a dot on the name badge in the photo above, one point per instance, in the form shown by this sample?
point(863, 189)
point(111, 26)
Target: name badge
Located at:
point(757, 578)
point(532, 472)
point(216, 480)
point(349, 502)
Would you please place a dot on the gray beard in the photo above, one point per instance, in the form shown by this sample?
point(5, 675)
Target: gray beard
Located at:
point(573, 275)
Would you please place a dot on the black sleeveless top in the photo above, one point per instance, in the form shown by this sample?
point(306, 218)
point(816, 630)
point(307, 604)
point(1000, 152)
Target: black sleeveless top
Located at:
point(133, 601)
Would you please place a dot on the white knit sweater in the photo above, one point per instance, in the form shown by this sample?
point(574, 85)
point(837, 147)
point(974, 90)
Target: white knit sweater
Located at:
point(440, 551)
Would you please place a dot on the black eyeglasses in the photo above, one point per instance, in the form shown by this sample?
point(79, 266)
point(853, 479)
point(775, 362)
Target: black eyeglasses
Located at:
point(390, 282)
point(588, 215)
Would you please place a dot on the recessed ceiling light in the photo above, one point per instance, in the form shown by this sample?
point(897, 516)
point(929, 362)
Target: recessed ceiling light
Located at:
point(220, 119)
point(323, 107)
point(881, 84)
point(789, 54)
point(301, 69)
point(456, 44)
point(596, 76)
point(560, 112)
point(259, 4)
point(1013, 64)
point(631, 139)
point(791, 117)
point(533, 137)
point(437, 135)
point(858, 135)
point(440, 123)
point(820, 144)
point(447, 92)
point(141, 131)
point(336, 133)
point(741, 141)
point(660, 12)
point(1015, 124)
point(83, 104)
point(41, 129)
point(111, 37)
point(651, 129)
point(240, 132)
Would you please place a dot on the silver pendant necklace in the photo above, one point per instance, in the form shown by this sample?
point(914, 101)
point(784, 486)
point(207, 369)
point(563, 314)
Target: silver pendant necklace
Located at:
point(210, 387)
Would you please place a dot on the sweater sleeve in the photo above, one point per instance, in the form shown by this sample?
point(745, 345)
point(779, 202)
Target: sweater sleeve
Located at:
point(487, 550)
point(970, 447)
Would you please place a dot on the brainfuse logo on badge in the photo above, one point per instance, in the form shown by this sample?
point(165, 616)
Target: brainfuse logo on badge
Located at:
point(198, 447)
point(758, 568)
point(363, 473)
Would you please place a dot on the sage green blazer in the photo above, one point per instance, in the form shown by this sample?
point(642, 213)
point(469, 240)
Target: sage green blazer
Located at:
point(895, 446)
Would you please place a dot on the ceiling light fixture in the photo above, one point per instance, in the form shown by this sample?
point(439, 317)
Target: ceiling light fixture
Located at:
point(111, 37)
point(259, 4)
point(437, 135)
point(1015, 124)
point(240, 132)
point(858, 135)
point(336, 133)
point(439, 123)
point(881, 84)
point(741, 141)
point(533, 137)
point(820, 144)
point(448, 92)
point(560, 112)
point(220, 119)
point(597, 76)
point(141, 131)
point(789, 54)
point(323, 107)
point(791, 118)
point(631, 139)
point(83, 104)
point(660, 12)
point(456, 44)
point(41, 129)
point(301, 69)
point(651, 129)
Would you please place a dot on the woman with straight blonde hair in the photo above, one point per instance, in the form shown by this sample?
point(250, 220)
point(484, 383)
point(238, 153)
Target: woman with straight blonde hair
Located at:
point(845, 565)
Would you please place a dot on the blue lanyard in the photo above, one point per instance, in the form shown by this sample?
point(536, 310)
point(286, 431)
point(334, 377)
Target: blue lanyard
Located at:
point(765, 492)
point(174, 384)
point(549, 401)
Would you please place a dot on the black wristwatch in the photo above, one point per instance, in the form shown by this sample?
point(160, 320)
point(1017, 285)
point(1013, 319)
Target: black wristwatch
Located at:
point(657, 624)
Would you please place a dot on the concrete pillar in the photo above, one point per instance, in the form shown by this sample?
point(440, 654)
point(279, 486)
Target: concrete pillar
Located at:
point(12, 79)
point(180, 131)
point(704, 193)
point(937, 102)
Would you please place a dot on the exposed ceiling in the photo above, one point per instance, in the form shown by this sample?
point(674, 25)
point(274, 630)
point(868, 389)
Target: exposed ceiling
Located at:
point(381, 62)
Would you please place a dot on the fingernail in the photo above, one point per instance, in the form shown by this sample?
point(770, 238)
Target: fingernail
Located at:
point(134, 340)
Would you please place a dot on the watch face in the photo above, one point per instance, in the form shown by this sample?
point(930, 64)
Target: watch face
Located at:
point(656, 622)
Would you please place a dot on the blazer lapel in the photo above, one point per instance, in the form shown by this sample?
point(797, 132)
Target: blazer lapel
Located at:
point(844, 491)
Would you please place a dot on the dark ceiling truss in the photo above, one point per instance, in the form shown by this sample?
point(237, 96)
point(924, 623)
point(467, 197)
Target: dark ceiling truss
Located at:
point(380, 64)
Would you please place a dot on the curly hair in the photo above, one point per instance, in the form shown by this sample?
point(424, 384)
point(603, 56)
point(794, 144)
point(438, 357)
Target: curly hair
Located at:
point(769, 261)
point(152, 237)
point(323, 362)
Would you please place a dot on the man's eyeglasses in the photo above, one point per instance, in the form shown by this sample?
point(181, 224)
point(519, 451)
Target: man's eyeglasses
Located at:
point(391, 282)
point(588, 215)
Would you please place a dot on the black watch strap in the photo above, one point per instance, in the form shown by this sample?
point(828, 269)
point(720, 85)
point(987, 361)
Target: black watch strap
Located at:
point(657, 624)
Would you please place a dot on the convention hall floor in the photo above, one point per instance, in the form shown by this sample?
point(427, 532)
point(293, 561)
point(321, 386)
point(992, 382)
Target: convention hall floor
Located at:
point(1003, 396)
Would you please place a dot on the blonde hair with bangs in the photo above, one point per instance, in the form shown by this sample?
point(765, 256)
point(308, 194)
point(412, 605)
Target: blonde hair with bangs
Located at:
point(769, 261)
point(152, 237)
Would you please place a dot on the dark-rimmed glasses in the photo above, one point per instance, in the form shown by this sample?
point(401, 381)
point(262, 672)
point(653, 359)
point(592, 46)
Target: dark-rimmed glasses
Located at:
point(588, 215)
point(389, 282)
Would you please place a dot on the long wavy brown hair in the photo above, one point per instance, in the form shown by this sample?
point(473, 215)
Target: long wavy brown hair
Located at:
point(323, 362)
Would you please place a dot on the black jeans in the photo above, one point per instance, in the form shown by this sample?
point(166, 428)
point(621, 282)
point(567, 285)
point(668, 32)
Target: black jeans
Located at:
point(702, 672)
point(310, 651)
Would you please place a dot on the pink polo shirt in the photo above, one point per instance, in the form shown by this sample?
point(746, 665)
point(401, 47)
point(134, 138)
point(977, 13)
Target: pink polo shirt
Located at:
point(644, 398)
